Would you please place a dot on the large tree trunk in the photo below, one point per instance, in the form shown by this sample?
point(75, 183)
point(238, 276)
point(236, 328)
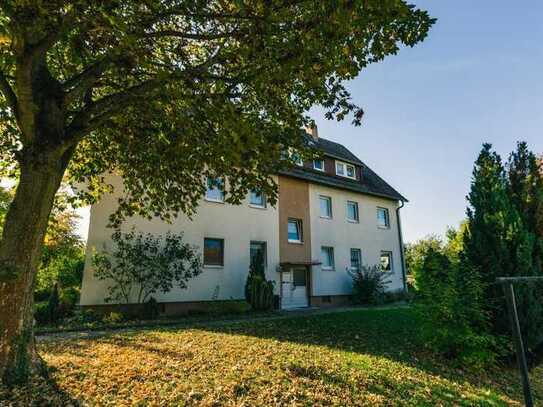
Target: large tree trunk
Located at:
point(41, 173)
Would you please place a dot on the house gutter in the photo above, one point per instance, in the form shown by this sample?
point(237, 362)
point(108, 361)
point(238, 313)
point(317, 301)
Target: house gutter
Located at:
point(402, 248)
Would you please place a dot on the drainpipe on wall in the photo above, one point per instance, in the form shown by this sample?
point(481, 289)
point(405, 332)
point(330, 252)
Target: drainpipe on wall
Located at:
point(402, 248)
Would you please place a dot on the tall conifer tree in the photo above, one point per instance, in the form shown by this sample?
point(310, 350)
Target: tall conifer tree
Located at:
point(500, 243)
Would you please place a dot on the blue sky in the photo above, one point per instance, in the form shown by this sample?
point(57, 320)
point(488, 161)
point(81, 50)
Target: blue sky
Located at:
point(476, 78)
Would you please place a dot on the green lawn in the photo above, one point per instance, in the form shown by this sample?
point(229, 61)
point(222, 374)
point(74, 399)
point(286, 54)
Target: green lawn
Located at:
point(366, 357)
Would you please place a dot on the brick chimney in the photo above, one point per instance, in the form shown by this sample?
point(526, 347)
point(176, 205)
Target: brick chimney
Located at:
point(313, 131)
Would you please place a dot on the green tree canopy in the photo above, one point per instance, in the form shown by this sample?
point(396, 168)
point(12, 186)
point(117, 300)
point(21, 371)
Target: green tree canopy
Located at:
point(164, 94)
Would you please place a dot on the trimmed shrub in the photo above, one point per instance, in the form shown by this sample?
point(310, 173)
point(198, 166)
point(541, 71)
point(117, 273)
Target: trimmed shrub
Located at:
point(151, 309)
point(369, 284)
point(259, 291)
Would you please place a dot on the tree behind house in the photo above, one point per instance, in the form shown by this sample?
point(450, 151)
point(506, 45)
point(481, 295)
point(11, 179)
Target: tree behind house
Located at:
point(141, 265)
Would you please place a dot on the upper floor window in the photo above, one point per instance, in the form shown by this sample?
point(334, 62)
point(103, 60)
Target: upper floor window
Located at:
point(356, 259)
point(327, 257)
point(257, 198)
point(383, 218)
point(215, 190)
point(325, 203)
point(386, 261)
point(352, 211)
point(295, 230)
point(213, 252)
point(318, 165)
point(345, 170)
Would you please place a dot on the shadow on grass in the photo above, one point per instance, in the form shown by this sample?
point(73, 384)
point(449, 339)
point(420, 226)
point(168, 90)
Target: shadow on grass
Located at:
point(393, 334)
point(39, 391)
point(396, 366)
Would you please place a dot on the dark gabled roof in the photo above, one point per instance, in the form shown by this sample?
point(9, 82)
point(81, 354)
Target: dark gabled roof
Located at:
point(371, 183)
point(336, 150)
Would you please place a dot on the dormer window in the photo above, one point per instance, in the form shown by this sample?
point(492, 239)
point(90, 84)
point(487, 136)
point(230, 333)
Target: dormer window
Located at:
point(318, 165)
point(295, 157)
point(345, 170)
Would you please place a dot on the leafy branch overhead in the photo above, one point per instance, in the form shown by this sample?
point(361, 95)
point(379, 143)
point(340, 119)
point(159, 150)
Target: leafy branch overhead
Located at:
point(155, 91)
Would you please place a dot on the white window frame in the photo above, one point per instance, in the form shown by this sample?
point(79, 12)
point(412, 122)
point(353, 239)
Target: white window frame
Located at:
point(351, 258)
point(295, 156)
point(390, 259)
point(387, 218)
point(255, 205)
point(214, 188)
point(332, 267)
point(316, 168)
point(357, 220)
point(329, 199)
point(343, 173)
point(298, 228)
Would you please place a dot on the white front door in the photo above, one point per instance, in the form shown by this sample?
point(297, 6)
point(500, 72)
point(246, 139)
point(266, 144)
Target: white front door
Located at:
point(294, 288)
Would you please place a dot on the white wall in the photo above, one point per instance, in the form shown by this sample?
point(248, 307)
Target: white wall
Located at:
point(343, 235)
point(237, 225)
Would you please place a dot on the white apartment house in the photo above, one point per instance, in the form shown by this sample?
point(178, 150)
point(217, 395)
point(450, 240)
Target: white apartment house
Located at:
point(332, 215)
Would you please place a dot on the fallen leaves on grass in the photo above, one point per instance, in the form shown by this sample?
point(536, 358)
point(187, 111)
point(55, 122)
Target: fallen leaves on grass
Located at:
point(358, 358)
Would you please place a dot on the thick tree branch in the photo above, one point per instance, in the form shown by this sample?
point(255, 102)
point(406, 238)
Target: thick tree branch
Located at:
point(8, 93)
point(98, 112)
point(79, 84)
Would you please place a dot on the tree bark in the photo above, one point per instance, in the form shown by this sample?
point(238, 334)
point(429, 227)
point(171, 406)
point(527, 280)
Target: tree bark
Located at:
point(21, 245)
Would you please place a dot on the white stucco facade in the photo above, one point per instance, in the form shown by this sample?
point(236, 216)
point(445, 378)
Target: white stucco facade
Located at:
point(238, 225)
point(342, 235)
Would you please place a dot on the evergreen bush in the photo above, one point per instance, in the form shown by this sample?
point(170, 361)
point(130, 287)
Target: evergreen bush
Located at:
point(258, 290)
point(369, 284)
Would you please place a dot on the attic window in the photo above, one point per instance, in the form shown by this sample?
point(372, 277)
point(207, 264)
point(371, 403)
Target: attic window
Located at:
point(345, 170)
point(318, 165)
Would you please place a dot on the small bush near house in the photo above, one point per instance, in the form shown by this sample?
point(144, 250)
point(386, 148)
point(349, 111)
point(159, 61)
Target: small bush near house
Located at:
point(258, 290)
point(369, 284)
point(151, 309)
point(143, 264)
point(41, 312)
point(113, 318)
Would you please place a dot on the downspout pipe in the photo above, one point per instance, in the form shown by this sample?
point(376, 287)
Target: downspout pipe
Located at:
point(402, 248)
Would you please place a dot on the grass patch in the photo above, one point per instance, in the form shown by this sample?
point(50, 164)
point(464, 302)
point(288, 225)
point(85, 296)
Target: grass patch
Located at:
point(365, 357)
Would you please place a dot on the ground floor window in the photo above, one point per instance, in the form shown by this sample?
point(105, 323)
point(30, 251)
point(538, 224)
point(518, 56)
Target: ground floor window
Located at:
point(356, 259)
point(386, 261)
point(213, 252)
point(327, 257)
point(258, 254)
